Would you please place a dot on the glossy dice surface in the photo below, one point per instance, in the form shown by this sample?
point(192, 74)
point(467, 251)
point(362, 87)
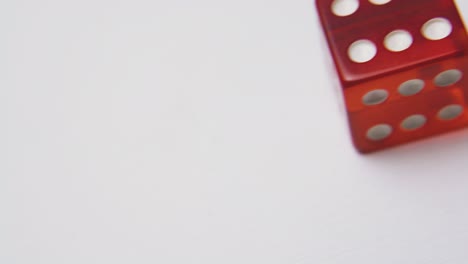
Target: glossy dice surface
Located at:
point(402, 66)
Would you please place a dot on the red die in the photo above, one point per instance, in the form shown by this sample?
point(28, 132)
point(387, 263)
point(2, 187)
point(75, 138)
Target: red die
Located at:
point(401, 65)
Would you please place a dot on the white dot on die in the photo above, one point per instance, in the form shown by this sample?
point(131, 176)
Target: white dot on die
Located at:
point(398, 40)
point(379, 2)
point(362, 51)
point(448, 78)
point(450, 112)
point(344, 7)
point(413, 122)
point(411, 87)
point(375, 97)
point(437, 28)
point(379, 132)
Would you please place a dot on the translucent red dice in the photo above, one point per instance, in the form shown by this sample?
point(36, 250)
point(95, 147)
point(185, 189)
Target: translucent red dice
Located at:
point(402, 66)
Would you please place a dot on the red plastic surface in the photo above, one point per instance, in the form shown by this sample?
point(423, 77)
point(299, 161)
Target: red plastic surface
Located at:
point(424, 60)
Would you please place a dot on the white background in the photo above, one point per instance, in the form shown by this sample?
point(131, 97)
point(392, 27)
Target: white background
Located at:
point(177, 131)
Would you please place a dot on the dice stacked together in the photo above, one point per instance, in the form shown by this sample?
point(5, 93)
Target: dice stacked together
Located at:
point(402, 67)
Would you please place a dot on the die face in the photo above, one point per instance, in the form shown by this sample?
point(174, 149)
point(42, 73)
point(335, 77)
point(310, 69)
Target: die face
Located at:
point(360, 42)
point(407, 121)
point(416, 104)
